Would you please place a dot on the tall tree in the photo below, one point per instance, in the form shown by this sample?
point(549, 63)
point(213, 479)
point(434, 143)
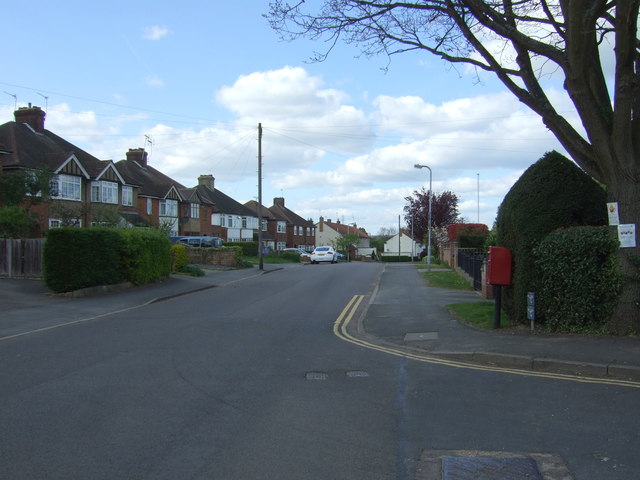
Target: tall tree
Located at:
point(533, 37)
point(444, 212)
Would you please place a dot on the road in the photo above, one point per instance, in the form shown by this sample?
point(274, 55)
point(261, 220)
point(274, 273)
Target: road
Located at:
point(249, 381)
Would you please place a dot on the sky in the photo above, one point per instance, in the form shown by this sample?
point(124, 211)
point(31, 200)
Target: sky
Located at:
point(191, 83)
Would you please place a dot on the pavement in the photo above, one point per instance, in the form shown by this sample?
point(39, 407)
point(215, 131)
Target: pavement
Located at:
point(402, 316)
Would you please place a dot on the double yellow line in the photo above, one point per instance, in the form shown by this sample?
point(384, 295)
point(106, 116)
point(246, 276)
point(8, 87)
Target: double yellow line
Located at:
point(341, 330)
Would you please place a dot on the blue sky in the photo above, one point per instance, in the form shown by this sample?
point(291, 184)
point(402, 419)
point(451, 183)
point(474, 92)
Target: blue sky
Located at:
point(340, 138)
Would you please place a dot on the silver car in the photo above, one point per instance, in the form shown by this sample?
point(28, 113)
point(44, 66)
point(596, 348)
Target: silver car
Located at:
point(324, 254)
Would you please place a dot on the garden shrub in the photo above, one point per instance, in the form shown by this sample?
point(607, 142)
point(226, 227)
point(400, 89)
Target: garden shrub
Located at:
point(82, 257)
point(394, 258)
point(179, 257)
point(249, 249)
point(553, 193)
point(146, 255)
point(580, 282)
point(193, 270)
point(291, 256)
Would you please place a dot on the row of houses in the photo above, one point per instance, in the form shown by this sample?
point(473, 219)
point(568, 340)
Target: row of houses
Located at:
point(87, 191)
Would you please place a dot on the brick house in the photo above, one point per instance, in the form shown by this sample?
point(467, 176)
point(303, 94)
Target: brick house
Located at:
point(300, 232)
point(328, 232)
point(89, 191)
point(220, 215)
point(85, 190)
point(274, 228)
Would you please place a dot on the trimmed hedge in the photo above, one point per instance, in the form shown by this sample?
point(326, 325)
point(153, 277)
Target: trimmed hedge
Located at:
point(77, 258)
point(249, 249)
point(580, 282)
point(146, 255)
point(553, 193)
point(395, 258)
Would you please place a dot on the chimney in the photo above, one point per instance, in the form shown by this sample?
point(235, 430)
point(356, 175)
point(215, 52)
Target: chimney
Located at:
point(32, 116)
point(279, 201)
point(137, 155)
point(321, 224)
point(207, 181)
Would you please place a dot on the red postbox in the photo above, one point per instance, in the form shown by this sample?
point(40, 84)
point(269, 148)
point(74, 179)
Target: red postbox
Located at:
point(499, 266)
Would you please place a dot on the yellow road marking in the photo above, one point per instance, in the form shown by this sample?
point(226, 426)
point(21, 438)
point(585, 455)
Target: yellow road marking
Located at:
point(340, 329)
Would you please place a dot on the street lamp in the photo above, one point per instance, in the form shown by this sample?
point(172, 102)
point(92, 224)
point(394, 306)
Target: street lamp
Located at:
point(417, 165)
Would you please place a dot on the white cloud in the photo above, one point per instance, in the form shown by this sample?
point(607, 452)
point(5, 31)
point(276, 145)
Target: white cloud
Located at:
point(154, 32)
point(154, 81)
point(328, 157)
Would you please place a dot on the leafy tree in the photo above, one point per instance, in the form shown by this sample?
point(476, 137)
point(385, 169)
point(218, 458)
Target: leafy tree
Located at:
point(591, 45)
point(444, 212)
point(345, 241)
point(25, 187)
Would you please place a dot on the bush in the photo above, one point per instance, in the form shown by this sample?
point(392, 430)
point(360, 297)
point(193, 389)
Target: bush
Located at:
point(472, 241)
point(82, 257)
point(290, 256)
point(580, 283)
point(16, 222)
point(249, 249)
point(179, 257)
point(146, 255)
point(77, 258)
point(193, 270)
point(551, 194)
point(394, 258)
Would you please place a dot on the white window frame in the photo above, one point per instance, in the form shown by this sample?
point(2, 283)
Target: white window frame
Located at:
point(195, 210)
point(149, 206)
point(67, 187)
point(168, 208)
point(127, 196)
point(104, 192)
point(281, 227)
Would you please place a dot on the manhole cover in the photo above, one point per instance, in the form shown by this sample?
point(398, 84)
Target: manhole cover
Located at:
point(357, 374)
point(316, 376)
point(489, 468)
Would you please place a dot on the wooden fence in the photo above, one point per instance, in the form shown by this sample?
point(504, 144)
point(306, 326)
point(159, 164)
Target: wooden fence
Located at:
point(21, 258)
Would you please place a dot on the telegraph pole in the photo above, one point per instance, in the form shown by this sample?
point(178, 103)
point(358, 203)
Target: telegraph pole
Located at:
point(260, 259)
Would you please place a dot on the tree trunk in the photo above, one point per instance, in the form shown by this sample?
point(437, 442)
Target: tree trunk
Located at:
point(626, 317)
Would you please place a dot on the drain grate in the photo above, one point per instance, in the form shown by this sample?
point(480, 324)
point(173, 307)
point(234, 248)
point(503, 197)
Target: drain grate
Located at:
point(489, 468)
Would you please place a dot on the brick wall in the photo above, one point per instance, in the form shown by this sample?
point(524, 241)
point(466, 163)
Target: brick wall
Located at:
point(212, 256)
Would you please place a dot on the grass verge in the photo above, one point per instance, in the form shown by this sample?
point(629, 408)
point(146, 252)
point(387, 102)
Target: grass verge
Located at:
point(448, 279)
point(478, 314)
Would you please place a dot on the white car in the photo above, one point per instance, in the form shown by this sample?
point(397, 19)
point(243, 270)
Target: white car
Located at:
point(324, 254)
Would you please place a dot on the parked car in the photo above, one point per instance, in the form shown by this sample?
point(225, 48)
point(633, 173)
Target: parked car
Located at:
point(198, 241)
point(324, 254)
point(299, 251)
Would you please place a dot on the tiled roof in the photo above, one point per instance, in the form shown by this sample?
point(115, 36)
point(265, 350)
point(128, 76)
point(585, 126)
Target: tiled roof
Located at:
point(345, 229)
point(222, 203)
point(289, 215)
point(152, 182)
point(31, 149)
point(264, 211)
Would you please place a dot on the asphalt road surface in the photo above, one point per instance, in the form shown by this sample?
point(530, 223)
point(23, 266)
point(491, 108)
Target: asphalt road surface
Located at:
point(249, 381)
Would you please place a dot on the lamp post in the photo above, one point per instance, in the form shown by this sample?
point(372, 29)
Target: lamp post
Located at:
point(417, 165)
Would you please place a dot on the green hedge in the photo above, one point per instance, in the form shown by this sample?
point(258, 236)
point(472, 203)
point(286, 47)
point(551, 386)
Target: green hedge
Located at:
point(395, 258)
point(551, 194)
point(146, 255)
point(77, 258)
point(580, 283)
point(249, 249)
